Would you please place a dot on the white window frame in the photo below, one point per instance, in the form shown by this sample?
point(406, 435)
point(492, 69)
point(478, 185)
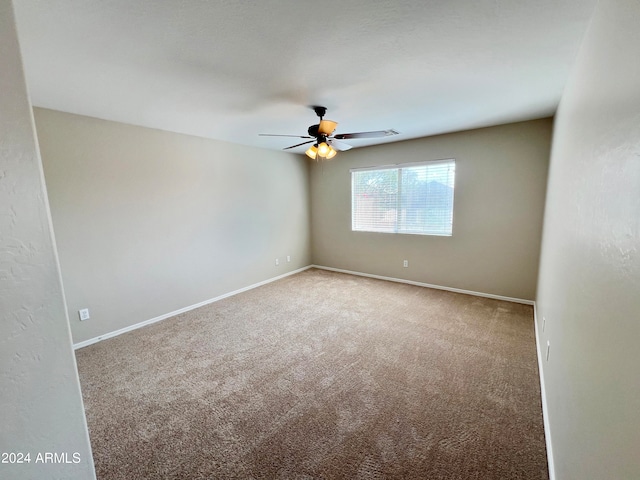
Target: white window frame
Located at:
point(398, 229)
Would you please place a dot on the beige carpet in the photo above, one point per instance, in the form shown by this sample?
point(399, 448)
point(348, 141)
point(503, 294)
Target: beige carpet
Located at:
point(321, 375)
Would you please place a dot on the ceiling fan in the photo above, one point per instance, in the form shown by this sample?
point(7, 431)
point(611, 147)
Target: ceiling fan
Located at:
point(325, 143)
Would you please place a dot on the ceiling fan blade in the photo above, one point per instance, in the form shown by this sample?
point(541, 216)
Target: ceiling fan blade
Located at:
point(277, 135)
point(303, 143)
point(338, 145)
point(376, 134)
point(326, 127)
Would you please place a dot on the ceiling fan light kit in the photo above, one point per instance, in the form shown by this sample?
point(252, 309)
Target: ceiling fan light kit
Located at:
point(321, 151)
point(325, 144)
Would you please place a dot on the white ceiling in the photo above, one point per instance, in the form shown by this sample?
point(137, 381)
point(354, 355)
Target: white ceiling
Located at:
point(230, 69)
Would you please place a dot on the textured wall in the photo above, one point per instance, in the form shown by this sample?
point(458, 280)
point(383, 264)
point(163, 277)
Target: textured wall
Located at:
point(589, 288)
point(501, 175)
point(148, 222)
point(41, 408)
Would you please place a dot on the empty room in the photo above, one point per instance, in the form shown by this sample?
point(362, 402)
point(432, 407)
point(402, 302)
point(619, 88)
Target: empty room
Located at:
point(290, 240)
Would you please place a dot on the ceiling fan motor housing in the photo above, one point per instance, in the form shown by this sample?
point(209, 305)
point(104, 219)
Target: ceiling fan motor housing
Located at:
point(313, 130)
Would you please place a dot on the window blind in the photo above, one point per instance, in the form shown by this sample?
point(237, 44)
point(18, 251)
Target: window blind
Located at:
point(413, 198)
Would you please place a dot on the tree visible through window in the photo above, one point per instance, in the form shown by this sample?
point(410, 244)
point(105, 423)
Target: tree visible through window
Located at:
point(410, 198)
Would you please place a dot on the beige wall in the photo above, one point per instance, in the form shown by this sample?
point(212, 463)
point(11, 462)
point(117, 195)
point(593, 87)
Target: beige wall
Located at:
point(149, 222)
point(41, 407)
point(589, 287)
point(501, 176)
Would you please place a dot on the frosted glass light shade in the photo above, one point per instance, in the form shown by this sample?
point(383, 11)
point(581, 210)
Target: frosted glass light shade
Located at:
point(323, 149)
point(326, 127)
point(312, 152)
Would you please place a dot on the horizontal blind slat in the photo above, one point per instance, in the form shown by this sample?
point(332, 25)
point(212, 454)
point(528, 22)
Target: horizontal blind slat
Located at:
point(423, 206)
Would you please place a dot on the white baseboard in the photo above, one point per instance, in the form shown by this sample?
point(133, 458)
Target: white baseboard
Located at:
point(91, 341)
point(545, 411)
point(428, 285)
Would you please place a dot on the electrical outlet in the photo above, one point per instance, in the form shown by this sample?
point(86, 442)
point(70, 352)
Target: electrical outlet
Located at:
point(548, 347)
point(405, 264)
point(84, 314)
point(277, 262)
point(288, 258)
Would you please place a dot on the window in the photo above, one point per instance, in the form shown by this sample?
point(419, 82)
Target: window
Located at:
point(409, 198)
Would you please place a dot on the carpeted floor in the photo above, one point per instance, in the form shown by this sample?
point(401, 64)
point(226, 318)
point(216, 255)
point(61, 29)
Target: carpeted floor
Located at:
point(321, 375)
